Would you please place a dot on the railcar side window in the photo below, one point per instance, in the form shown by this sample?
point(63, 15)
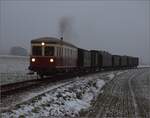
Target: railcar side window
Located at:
point(36, 50)
point(61, 52)
point(49, 51)
point(57, 51)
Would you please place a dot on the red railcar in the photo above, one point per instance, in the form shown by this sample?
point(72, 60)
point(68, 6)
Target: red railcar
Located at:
point(50, 55)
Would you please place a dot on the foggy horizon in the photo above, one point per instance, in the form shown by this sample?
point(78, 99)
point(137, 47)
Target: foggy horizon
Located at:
point(119, 27)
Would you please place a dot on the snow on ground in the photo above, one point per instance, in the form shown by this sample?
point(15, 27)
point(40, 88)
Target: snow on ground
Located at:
point(10, 64)
point(64, 101)
point(13, 69)
point(143, 66)
point(120, 72)
point(111, 76)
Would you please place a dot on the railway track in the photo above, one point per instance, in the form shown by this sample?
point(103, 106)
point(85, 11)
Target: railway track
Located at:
point(36, 88)
point(12, 96)
point(12, 87)
point(18, 86)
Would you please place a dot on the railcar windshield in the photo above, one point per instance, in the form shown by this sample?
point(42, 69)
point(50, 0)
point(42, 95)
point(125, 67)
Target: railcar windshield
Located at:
point(36, 50)
point(49, 51)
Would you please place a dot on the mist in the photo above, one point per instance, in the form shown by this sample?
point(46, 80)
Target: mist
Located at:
point(120, 27)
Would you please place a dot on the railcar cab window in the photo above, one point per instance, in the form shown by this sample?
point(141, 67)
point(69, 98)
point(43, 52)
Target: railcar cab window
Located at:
point(49, 51)
point(36, 50)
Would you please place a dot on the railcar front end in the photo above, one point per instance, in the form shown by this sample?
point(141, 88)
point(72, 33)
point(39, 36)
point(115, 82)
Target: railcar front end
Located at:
point(52, 55)
point(42, 59)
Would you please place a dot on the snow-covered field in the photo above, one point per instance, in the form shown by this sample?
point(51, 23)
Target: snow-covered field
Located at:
point(64, 101)
point(13, 69)
point(143, 66)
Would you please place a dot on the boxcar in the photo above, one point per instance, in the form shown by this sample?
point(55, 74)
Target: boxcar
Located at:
point(116, 61)
point(123, 61)
point(129, 61)
point(105, 59)
point(84, 59)
point(135, 61)
point(132, 61)
point(95, 60)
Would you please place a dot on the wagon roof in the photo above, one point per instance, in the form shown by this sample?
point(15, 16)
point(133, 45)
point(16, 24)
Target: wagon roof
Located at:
point(116, 55)
point(104, 52)
point(51, 40)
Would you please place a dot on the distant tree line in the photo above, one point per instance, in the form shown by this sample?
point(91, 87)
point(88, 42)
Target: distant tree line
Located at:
point(17, 50)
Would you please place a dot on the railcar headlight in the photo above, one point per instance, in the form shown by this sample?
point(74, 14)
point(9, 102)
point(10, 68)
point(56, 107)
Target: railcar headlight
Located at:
point(42, 43)
point(33, 59)
point(51, 60)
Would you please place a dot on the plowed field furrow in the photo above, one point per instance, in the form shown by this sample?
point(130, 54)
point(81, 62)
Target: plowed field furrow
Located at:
point(126, 96)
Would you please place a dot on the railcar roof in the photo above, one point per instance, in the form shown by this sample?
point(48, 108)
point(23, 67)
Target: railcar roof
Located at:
point(104, 52)
point(116, 55)
point(51, 40)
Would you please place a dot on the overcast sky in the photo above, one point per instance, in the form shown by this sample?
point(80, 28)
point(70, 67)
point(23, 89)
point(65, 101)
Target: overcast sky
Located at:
point(118, 27)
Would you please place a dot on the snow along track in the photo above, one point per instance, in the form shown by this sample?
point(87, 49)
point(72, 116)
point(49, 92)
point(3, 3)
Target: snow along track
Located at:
point(30, 89)
point(33, 93)
point(63, 100)
point(36, 87)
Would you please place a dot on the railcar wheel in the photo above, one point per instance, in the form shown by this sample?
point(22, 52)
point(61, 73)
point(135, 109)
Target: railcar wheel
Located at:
point(41, 76)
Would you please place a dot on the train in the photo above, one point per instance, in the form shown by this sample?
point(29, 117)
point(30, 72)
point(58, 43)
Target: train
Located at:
point(50, 55)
